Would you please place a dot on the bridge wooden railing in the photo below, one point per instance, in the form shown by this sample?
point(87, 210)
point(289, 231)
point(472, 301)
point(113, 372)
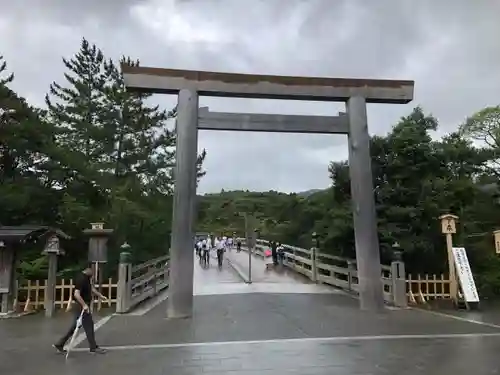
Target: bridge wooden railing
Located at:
point(338, 271)
point(140, 282)
point(136, 283)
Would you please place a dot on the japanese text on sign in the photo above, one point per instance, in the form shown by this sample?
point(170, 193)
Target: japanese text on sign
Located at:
point(465, 276)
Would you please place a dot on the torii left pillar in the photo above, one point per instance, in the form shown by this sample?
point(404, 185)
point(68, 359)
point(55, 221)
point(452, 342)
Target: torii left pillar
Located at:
point(180, 298)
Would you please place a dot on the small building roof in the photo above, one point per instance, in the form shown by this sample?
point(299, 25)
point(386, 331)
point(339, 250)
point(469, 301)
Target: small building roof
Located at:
point(24, 233)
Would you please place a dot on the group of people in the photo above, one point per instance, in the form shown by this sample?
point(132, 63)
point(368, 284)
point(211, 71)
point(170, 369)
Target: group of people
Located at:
point(277, 252)
point(219, 244)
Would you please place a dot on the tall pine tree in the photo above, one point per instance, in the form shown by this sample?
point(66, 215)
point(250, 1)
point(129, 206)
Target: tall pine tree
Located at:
point(118, 152)
point(25, 145)
point(139, 142)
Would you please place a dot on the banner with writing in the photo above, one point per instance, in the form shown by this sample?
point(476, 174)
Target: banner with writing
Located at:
point(464, 274)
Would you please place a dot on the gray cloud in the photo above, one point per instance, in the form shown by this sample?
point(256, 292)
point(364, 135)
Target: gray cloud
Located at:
point(448, 47)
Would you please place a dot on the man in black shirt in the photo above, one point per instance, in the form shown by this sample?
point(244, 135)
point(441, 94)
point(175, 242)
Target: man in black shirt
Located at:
point(82, 298)
point(274, 253)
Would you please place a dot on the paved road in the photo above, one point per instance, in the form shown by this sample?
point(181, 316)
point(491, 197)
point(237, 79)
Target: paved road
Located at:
point(279, 334)
point(262, 333)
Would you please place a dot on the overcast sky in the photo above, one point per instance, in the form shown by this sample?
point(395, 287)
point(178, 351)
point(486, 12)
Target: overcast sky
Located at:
point(449, 47)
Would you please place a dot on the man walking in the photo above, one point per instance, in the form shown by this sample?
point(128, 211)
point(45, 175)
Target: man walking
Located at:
point(274, 252)
point(205, 253)
point(82, 298)
point(221, 246)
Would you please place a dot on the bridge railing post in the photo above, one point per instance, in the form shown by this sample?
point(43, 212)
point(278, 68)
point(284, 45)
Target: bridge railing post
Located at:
point(314, 269)
point(350, 270)
point(398, 276)
point(123, 287)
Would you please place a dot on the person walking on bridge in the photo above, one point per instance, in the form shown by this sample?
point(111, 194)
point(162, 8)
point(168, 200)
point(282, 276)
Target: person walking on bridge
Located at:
point(198, 248)
point(205, 249)
point(274, 252)
point(221, 247)
point(82, 298)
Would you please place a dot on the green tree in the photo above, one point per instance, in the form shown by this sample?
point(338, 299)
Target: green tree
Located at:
point(25, 143)
point(5, 77)
point(484, 126)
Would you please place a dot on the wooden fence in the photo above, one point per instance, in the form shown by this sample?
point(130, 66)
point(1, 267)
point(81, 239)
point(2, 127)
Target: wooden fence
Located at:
point(421, 289)
point(31, 294)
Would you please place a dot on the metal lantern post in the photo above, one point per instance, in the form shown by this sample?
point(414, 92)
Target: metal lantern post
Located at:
point(125, 247)
point(123, 290)
point(252, 247)
point(98, 249)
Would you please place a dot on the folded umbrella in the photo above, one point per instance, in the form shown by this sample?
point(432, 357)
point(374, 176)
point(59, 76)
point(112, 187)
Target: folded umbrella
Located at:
point(79, 323)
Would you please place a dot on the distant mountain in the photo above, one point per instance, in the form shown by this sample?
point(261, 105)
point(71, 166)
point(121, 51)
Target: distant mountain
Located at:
point(237, 193)
point(309, 192)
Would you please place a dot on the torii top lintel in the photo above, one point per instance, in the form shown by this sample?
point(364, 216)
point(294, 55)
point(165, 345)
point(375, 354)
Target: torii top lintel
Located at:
point(171, 81)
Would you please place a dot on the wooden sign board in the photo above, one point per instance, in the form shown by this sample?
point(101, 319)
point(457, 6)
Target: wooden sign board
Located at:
point(448, 224)
point(465, 276)
point(496, 235)
point(98, 250)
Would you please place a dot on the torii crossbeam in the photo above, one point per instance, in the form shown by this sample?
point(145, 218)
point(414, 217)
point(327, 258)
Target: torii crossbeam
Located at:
point(272, 123)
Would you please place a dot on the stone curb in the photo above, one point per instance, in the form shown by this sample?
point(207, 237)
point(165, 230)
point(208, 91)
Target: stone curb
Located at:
point(236, 268)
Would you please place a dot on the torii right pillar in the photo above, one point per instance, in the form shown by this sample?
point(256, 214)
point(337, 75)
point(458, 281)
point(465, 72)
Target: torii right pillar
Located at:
point(363, 205)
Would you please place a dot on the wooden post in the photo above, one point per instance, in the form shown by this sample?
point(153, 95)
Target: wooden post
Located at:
point(51, 286)
point(7, 275)
point(398, 276)
point(448, 228)
point(123, 286)
point(52, 249)
point(350, 269)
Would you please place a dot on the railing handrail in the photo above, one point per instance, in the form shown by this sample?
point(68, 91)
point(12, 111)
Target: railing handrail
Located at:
point(140, 282)
point(150, 262)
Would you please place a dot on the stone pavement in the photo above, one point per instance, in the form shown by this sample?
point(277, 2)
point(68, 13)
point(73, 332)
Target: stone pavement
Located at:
point(260, 274)
point(267, 333)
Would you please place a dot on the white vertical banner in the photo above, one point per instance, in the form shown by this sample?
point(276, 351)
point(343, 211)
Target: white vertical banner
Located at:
point(464, 273)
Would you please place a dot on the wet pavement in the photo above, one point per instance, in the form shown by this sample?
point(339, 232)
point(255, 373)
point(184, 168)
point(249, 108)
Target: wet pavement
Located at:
point(26, 341)
point(244, 333)
point(259, 271)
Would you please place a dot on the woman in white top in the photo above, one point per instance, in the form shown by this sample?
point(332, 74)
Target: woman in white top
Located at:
point(220, 251)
